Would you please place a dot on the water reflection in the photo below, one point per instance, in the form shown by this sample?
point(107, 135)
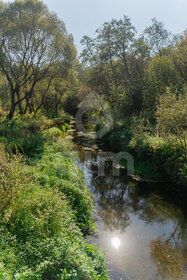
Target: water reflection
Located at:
point(168, 260)
point(143, 232)
point(116, 242)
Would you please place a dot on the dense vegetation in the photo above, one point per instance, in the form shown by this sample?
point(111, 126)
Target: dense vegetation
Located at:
point(45, 206)
point(143, 79)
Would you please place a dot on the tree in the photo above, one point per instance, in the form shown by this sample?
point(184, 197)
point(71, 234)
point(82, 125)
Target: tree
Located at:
point(157, 37)
point(117, 62)
point(113, 42)
point(34, 46)
point(171, 116)
point(179, 56)
point(159, 75)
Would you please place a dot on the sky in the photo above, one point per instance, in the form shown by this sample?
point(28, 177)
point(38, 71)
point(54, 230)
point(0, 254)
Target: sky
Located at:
point(83, 17)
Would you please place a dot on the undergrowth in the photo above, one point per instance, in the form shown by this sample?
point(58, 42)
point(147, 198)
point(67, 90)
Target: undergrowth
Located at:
point(154, 157)
point(45, 210)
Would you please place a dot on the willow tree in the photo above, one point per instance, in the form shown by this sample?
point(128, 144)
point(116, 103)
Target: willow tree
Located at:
point(34, 46)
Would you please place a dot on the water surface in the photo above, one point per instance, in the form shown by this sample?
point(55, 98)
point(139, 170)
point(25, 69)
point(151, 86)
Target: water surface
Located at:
point(142, 227)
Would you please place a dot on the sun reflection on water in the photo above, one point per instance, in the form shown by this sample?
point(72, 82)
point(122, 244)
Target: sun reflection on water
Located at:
point(116, 242)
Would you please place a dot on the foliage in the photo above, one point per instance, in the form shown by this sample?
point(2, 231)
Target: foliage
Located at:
point(57, 168)
point(35, 50)
point(154, 157)
point(168, 156)
point(28, 133)
point(171, 117)
point(157, 37)
point(179, 56)
point(41, 216)
point(160, 74)
point(134, 75)
point(45, 205)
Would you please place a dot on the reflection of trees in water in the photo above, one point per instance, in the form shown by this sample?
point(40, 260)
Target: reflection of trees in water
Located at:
point(170, 255)
point(168, 259)
point(113, 203)
point(117, 200)
point(166, 253)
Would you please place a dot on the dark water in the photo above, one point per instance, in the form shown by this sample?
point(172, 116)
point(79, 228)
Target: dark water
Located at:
point(142, 226)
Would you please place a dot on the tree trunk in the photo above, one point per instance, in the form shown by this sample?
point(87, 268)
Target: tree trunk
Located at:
point(126, 67)
point(38, 108)
point(56, 105)
point(13, 105)
point(19, 101)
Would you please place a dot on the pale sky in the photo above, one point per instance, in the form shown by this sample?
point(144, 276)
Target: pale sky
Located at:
point(82, 17)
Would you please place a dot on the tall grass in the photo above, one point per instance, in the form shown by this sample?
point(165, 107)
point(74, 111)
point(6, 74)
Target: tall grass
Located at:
point(45, 210)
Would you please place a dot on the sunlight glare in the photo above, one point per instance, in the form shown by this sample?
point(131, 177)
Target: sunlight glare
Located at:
point(116, 242)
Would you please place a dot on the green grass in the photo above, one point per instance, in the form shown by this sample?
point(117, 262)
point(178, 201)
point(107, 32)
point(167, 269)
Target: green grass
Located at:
point(154, 157)
point(45, 210)
point(57, 168)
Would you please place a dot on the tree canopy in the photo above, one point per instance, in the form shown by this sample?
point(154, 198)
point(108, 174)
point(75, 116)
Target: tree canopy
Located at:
point(34, 47)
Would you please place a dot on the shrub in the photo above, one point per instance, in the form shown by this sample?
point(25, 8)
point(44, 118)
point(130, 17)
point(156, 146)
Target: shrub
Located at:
point(52, 133)
point(45, 209)
point(39, 238)
point(171, 117)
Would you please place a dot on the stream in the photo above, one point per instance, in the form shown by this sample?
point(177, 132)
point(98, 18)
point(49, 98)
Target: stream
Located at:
point(142, 226)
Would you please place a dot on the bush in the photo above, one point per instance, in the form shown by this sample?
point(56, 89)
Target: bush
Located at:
point(171, 118)
point(155, 157)
point(23, 135)
point(44, 209)
point(28, 134)
point(52, 133)
point(167, 155)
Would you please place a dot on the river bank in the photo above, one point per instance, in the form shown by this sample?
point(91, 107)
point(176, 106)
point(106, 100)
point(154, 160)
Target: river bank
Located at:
point(156, 158)
point(45, 207)
point(141, 225)
point(49, 212)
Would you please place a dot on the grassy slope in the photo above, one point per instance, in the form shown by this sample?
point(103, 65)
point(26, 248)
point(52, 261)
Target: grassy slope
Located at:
point(45, 208)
